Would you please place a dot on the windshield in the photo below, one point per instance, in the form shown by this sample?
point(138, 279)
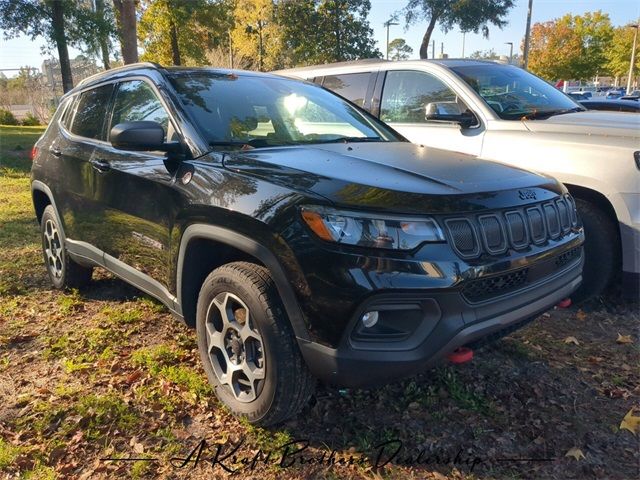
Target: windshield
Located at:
point(514, 93)
point(232, 110)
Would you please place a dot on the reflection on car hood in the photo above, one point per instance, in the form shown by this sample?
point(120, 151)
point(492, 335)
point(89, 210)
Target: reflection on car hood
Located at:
point(619, 124)
point(388, 175)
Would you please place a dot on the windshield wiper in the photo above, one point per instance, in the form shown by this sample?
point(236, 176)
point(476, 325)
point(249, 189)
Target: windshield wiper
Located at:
point(542, 114)
point(350, 140)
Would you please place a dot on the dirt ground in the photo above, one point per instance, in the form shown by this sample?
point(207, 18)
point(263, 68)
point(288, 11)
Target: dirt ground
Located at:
point(107, 373)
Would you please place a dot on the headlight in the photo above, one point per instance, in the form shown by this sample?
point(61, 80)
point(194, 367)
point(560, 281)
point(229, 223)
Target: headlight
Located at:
point(369, 230)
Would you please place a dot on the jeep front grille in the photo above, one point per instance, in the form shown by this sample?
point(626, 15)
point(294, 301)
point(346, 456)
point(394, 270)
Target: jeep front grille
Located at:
point(495, 233)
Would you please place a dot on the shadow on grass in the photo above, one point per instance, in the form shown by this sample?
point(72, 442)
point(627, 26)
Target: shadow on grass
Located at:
point(14, 163)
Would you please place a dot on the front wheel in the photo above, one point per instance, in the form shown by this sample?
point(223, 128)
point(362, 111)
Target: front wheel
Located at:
point(247, 346)
point(601, 250)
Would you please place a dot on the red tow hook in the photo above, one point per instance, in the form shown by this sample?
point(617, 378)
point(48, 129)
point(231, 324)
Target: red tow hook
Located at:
point(460, 355)
point(566, 303)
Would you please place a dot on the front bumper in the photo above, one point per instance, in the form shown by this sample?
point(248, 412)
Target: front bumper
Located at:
point(449, 322)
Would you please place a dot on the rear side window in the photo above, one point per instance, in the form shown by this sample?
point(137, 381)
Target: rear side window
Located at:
point(136, 101)
point(352, 86)
point(91, 111)
point(67, 110)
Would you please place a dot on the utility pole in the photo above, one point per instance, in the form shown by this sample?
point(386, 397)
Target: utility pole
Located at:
point(527, 37)
point(433, 49)
point(510, 51)
point(633, 56)
point(387, 24)
point(441, 49)
point(464, 35)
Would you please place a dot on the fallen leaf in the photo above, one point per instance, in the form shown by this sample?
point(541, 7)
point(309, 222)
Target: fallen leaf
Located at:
point(571, 340)
point(622, 339)
point(575, 452)
point(77, 437)
point(138, 448)
point(630, 422)
point(134, 376)
point(580, 315)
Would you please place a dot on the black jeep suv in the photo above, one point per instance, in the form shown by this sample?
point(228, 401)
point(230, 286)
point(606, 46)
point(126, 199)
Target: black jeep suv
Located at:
point(300, 236)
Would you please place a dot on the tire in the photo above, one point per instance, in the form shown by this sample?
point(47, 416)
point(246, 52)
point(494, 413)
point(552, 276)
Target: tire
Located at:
point(63, 271)
point(247, 345)
point(601, 251)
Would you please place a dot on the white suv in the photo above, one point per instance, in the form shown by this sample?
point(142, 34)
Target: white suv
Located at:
point(503, 113)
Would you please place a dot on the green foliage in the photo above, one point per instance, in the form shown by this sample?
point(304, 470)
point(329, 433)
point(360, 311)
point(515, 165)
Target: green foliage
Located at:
point(322, 31)
point(571, 47)
point(469, 15)
point(618, 54)
point(8, 453)
point(7, 118)
point(399, 50)
point(485, 55)
point(59, 22)
point(180, 32)
point(30, 120)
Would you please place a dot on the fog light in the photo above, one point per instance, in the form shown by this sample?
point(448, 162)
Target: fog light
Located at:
point(369, 319)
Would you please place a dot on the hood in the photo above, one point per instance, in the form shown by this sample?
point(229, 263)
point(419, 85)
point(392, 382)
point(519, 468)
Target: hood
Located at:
point(394, 176)
point(590, 122)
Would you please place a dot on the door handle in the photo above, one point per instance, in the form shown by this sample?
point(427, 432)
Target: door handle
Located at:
point(55, 151)
point(101, 165)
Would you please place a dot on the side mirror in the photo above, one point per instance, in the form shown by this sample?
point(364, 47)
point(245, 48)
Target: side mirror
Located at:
point(449, 112)
point(144, 136)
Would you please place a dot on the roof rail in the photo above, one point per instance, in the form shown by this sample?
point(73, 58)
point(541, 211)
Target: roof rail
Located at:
point(130, 66)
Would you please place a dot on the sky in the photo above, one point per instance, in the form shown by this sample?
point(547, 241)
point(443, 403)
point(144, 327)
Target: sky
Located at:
point(23, 51)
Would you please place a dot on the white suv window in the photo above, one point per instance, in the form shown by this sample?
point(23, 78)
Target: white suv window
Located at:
point(408, 96)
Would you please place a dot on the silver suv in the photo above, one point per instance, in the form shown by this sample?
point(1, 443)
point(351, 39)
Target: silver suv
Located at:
point(501, 112)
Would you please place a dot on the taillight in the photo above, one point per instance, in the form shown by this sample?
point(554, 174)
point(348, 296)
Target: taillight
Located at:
point(34, 152)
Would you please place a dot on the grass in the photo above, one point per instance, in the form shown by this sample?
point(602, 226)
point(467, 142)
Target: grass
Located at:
point(464, 396)
point(165, 362)
point(8, 453)
point(18, 228)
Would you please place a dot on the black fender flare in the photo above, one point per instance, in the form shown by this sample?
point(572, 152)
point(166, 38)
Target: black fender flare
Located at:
point(255, 249)
point(42, 187)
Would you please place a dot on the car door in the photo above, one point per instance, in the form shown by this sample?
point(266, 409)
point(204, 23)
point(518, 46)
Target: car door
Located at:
point(408, 95)
point(136, 190)
point(81, 130)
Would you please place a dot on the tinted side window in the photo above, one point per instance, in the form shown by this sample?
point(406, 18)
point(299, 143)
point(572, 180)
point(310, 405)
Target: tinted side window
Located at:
point(91, 111)
point(69, 107)
point(407, 96)
point(352, 86)
point(136, 101)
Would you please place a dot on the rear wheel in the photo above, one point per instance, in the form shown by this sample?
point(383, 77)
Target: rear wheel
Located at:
point(63, 271)
point(601, 250)
point(247, 346)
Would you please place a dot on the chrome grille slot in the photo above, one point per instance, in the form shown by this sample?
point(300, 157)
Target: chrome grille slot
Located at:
point(537, 225)
point(493, 234)
point(551, 217)
point(517, 229)
point(563, 211)
point(464, 237)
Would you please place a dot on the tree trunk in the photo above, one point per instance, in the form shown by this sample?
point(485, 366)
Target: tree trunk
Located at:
point(57, 23)
point(126, 18)
point(426, 40)
point(175, 48)
point(104, 39)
